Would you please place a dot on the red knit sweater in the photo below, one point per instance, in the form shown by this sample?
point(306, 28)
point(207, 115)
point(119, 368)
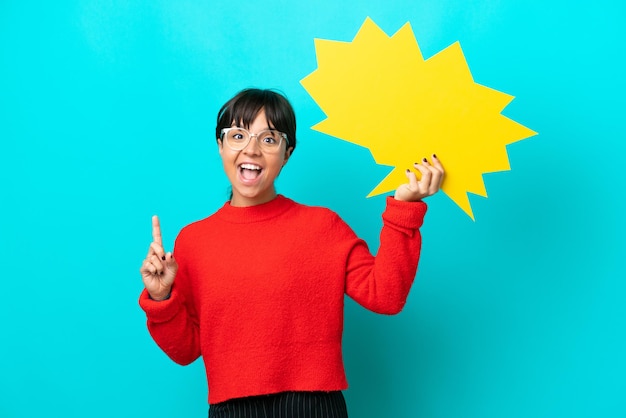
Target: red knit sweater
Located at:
point(259, 293)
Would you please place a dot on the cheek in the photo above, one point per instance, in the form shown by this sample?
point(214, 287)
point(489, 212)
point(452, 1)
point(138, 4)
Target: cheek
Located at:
point(278, 164)
point(227, 155)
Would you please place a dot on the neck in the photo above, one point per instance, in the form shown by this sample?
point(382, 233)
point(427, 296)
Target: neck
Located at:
point(238, 200)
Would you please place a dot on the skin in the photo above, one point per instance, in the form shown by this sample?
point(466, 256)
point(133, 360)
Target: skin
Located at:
point(428, 184)
point(260, 190)
point(159, 268)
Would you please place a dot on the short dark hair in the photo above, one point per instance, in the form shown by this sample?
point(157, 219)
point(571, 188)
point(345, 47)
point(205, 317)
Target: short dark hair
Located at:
point(244, 107)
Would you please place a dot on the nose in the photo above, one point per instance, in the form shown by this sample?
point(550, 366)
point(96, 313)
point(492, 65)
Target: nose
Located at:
point(253, 146)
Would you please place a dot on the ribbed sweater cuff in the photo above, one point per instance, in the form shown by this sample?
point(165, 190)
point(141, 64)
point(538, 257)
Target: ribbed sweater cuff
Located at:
point(407, 215)
point(160, 311)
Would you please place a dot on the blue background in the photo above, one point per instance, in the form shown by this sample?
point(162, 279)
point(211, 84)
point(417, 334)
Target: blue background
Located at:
point(107, 111)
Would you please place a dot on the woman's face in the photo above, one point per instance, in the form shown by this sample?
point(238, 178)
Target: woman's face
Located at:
point(251, 171)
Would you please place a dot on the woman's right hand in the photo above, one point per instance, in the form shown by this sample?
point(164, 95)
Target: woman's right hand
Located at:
point(159, 268)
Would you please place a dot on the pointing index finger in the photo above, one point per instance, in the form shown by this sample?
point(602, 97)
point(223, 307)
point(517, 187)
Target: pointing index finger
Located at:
point(156, 230)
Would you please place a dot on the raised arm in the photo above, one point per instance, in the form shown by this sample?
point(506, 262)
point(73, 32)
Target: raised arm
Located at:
point(382, 283)
point(172, 320)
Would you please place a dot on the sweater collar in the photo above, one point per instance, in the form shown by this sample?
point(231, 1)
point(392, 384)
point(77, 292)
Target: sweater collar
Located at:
point(257, 213)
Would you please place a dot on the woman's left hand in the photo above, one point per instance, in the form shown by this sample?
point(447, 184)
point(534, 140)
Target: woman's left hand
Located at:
point(430, 182)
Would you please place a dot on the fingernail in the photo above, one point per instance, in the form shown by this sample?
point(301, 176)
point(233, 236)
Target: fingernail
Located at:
point(408, 171)
point(435, 155)
point(163, 258)
point(425, 160)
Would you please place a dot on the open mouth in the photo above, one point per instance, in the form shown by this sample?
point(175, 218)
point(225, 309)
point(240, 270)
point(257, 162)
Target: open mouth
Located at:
point(249, 172)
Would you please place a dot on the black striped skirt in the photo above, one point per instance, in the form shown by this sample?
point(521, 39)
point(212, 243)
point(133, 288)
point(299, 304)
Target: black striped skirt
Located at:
point(283, 405)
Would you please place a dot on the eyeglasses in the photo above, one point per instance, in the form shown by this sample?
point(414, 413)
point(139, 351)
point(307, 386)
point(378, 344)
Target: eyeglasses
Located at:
point(268, 140)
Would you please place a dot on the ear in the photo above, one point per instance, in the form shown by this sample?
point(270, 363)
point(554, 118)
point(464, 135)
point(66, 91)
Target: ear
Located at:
point(220, 146)
point(287, 155)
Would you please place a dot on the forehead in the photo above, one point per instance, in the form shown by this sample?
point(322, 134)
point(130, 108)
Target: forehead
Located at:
point(246, 119)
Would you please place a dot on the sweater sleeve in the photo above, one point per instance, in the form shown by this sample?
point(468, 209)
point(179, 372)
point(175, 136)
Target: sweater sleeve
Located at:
point(382, 283)
point(173, 323)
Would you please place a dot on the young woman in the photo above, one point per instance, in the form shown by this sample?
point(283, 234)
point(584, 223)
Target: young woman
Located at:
point(257, 289)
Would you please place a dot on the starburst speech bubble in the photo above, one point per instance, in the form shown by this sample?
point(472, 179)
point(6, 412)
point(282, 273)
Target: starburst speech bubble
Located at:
point(378, 92)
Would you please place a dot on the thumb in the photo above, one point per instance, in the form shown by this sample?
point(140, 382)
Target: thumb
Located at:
point(170, 262)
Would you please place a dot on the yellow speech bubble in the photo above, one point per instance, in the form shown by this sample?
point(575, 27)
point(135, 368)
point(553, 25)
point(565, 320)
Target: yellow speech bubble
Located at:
point(378, 92)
